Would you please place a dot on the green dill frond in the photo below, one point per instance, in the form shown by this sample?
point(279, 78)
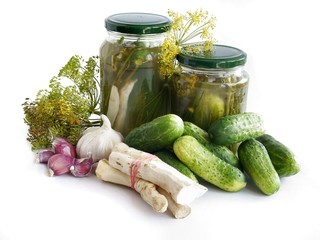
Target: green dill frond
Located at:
point(64, 110)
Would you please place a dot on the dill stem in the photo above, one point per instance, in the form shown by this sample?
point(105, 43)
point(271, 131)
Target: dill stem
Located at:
point(184, 31)
point(124, 65)
point(195, 33)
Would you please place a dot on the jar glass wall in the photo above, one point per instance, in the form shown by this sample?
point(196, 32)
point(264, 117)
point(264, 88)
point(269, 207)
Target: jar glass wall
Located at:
point(209, 87)
point(132, 91)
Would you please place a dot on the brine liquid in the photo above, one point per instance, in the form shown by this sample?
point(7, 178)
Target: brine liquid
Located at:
point(200, 101)
point(132, 92)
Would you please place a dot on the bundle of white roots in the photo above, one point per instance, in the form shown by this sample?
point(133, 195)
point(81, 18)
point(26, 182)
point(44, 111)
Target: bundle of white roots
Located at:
point(160, 185)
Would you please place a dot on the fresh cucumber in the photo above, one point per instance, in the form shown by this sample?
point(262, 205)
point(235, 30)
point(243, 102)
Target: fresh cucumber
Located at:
point(202, 136)
point(172, 160)
point(233, 129)
point(157, 134)
point(193, 130)
point(282, 158)
point(257, 164)
point(207, 165)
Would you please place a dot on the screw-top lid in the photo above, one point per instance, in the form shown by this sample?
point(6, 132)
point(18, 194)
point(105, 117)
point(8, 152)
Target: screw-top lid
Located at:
point(220, 57)
point(137, 23)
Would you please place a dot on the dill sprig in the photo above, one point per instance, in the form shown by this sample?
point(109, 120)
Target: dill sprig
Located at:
point(184, 28)
point(64, 110)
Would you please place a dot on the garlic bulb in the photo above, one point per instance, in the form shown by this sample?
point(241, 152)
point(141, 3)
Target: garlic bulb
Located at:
point(98, 141)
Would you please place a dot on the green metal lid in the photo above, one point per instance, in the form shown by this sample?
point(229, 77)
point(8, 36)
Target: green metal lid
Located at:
point(137, 23)
point(220, 57)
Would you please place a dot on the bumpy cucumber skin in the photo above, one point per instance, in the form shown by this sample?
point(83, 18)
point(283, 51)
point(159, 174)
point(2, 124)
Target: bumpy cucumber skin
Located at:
point(202, 136)
point(173, 161)
point(282, 158)
point(256, 163)
point(193, 130)
point(208, 166)
point(237, 128)
point(157, 134)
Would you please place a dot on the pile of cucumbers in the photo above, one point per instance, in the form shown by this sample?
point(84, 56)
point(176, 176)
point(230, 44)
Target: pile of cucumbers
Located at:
point(206, 154)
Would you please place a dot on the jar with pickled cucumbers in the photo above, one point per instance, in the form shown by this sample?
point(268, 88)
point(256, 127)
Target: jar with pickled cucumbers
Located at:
point(132, 90)
point(209, 84)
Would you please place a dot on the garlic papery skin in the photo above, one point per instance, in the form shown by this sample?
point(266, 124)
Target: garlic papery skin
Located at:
point(63, 146)
point(59, 164)
point(98, 141)
point(44, 155)
point(81, 167)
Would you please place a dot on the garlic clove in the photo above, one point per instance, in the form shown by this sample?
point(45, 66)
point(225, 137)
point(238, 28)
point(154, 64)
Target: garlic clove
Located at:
point(59, 164)
point(44, 155)
point(81, 167)
point(65, 149)
point(63, 146)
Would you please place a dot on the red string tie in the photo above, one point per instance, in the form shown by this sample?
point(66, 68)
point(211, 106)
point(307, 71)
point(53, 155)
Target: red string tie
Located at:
point(135, 165)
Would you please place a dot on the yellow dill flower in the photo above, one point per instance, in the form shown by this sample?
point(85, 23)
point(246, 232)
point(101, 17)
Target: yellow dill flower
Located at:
point(167, 56)
point(184, 28)
point(198, 16)
point(206, 34)
point(207, 46)
point(177, 20)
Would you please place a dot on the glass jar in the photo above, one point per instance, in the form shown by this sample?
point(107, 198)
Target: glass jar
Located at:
point(210, 85)
point(132, 91)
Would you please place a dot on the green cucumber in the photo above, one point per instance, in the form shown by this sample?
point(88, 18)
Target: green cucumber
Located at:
point(193, 130)
point(237, 128)
point(281, 156)
point(207, 165)
point(256, 163)
point(202, 136)
point(173, 161)
point(158, 134)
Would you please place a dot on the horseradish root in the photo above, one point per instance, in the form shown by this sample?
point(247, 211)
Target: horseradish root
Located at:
point(178, 210)
point(146, 189)
point(139, 164)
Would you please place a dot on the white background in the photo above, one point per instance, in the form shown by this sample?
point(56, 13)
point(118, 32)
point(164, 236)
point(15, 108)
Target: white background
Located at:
point(282, 41)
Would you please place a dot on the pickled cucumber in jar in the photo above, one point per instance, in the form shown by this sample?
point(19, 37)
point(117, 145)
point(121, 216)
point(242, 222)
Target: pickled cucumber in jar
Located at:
point(209, 86)
point(132, 90)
